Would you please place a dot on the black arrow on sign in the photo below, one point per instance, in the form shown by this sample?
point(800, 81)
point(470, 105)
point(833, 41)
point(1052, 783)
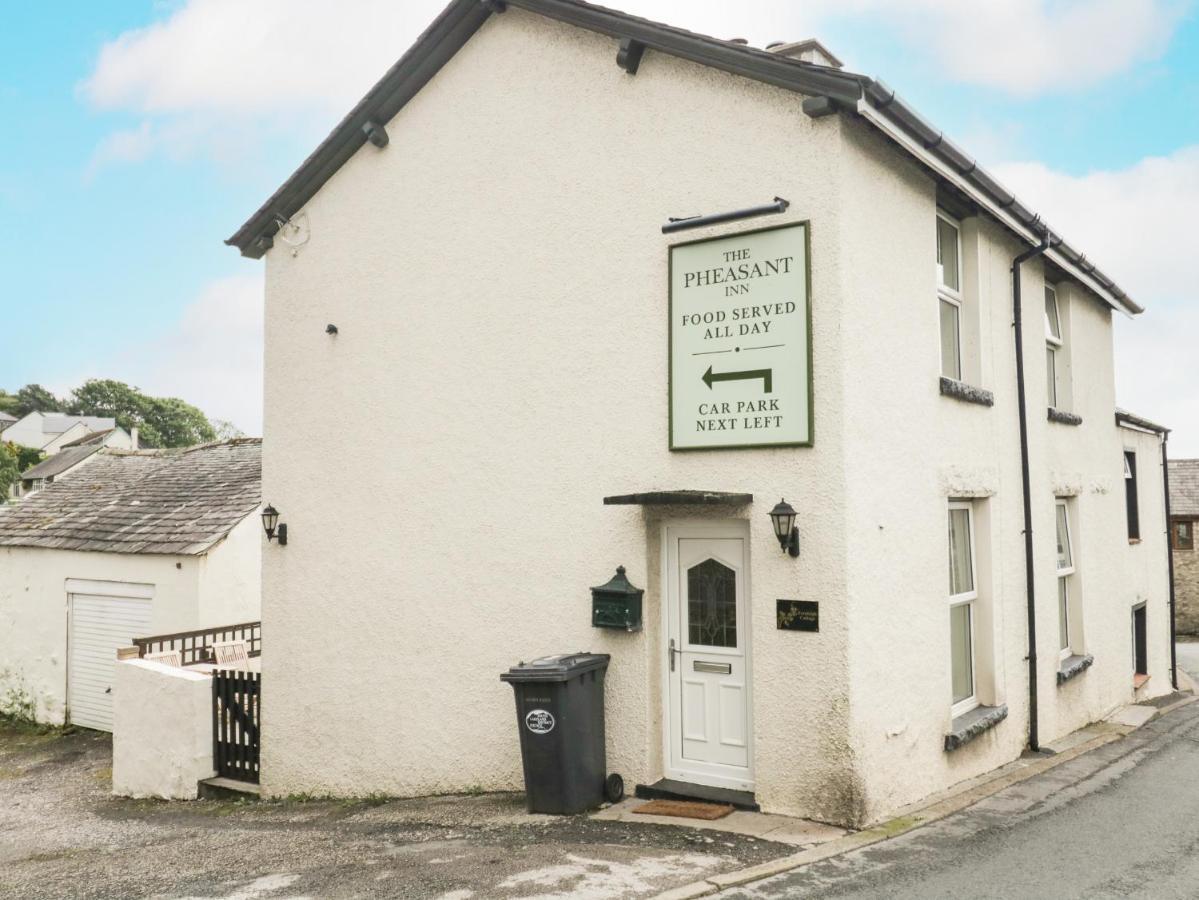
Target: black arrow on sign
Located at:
point(767, 376)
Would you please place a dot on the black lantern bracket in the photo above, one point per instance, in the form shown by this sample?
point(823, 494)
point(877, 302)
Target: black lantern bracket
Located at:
point(782, 517)
point(673, 224)
point(271, 525)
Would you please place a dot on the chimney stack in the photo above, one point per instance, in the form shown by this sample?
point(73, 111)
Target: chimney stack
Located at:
point(809, 51)
point(133, 437)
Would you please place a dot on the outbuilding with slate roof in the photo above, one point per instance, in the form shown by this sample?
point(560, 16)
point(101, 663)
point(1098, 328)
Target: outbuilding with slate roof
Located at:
point(128, 545)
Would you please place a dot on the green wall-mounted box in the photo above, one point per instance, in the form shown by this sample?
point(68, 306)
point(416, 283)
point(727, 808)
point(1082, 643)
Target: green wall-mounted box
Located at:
point(617, 604)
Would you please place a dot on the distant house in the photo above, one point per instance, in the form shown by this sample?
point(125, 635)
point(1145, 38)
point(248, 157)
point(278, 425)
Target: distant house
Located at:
point(50, 432)
point(128, 545)
point(67, 459)
point(69, 456)
point(1184, 516)
point(6, 420)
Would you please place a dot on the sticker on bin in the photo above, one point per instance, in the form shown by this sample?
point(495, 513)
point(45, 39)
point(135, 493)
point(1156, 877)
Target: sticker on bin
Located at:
point(539, 721)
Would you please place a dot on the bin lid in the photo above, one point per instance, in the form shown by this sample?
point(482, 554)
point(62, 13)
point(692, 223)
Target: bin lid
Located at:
point(560, 667)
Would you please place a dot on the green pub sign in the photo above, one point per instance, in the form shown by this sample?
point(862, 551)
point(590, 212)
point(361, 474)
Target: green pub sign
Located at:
point(740, 341)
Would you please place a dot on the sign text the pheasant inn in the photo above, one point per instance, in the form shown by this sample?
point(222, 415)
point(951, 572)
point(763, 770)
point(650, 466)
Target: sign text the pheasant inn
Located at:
point(740, 349)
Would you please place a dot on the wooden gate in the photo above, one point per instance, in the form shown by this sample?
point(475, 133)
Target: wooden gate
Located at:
point(236, 713)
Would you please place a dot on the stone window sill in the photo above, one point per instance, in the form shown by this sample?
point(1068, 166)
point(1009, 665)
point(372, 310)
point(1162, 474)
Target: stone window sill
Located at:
point(1064, 418)
point(970, 725)
point(959, 390)
point(1072, 667)
point(1132, 542)
point(1139, 681)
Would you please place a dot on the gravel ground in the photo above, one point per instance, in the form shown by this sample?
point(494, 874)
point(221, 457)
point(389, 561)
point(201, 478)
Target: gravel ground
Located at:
point(63, 835)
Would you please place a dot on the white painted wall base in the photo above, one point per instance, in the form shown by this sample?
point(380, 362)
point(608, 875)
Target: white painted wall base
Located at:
point(162, 731)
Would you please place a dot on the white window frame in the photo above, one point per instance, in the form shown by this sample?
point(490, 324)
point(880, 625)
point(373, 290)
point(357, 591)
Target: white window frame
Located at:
point(1064, 575)
point(1053, 346)
point(950, 295)
point(969, 599)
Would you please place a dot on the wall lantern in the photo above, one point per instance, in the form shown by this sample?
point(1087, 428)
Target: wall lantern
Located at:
point(270, 522)
point(785, 529)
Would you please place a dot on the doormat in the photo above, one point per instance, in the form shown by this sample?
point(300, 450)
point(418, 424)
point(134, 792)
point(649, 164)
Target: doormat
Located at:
point(684, 809)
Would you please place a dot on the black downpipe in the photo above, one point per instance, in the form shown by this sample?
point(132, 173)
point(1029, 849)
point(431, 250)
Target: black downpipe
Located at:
point(1017, 313)
point(1170, 557)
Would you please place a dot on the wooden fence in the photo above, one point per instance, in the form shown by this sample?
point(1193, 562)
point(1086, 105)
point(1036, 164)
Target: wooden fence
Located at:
point(236, 714)
point(196, 646)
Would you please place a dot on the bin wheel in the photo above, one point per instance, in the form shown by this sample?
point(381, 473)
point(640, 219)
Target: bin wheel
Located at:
point(614, 788)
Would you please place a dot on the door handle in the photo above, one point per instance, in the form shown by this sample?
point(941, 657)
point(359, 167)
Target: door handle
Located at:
point(670, 652)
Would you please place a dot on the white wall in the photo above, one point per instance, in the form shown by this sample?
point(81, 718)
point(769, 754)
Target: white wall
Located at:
point(498, 279)
point(497, 276)
point(911, 450)
point(27, 431)
point(162, 731)
point(33, 610)
point(189, 592)
point(230, 577)
point(54, 443)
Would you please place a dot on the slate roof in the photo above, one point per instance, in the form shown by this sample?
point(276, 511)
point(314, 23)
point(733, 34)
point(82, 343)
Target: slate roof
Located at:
point(93, 438)
point(5, 417)
point(1184, 487)
point(56, 424)
point(58, 463)
point(162, 501)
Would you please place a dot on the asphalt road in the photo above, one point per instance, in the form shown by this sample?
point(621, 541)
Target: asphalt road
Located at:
point(1121, 821)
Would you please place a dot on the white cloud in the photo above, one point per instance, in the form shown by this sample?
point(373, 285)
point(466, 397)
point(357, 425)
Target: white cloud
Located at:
point(215, 65)
point(1019, 46)
point(1033, 46)
point(1137, 225)
point(242, 58)
point(129, 146)
point(211, 357)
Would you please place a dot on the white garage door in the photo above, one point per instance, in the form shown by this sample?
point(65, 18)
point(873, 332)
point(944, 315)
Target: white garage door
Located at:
point(99, 625)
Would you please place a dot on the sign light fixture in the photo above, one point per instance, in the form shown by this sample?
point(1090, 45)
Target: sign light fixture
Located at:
point(270, 523)
point(782, 517)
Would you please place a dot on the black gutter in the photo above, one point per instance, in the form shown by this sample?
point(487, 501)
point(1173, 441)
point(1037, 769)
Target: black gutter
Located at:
point(1030, 587)
point(1123, 417)
point(444, 37)
point(738, 59)
point(1170, 558)
point(884, 99)
point(462, 18)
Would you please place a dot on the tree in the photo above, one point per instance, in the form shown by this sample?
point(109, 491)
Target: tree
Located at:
point(27, 457)
point(226, 431)
point(162, 421)
point(9, 470)
point(8, 402)
point(178, 424)
point(35, 398)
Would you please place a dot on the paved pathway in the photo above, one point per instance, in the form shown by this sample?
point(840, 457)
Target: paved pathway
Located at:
point(62, 835)
point(1121, 821)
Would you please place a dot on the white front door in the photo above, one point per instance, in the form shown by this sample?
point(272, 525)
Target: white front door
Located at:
point(708, 655)
point(99, 626)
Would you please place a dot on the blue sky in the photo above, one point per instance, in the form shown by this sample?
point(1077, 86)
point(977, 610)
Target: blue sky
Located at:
point(138, 135)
